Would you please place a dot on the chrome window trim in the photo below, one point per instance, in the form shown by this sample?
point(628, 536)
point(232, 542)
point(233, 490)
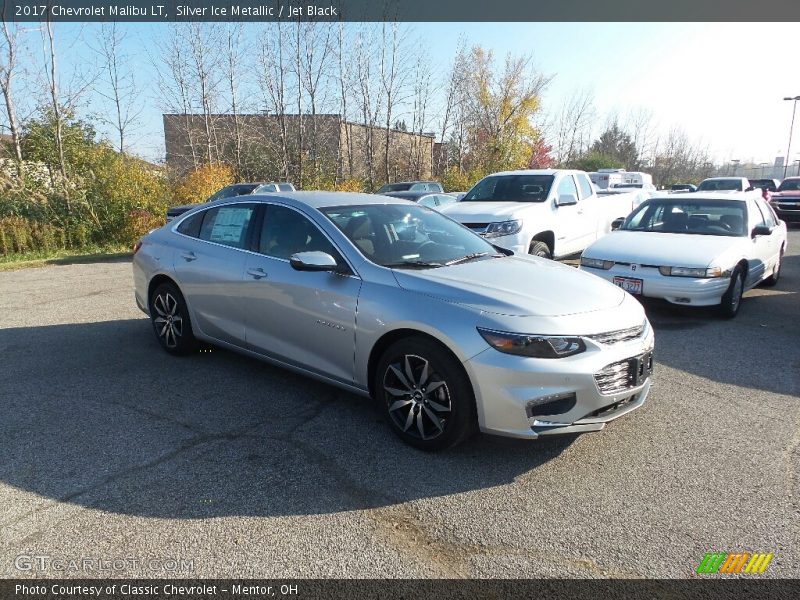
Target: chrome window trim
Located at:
point(174, 229)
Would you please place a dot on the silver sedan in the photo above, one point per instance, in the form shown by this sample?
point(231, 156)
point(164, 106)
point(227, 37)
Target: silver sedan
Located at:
point(395, 301)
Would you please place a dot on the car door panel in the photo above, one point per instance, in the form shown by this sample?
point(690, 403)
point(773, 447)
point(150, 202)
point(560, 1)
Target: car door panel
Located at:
point(210, 277)
point(301, 317)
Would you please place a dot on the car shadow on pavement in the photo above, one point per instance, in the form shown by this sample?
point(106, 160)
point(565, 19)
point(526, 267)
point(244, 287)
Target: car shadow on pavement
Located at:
point(97, 415)
point(758, 349)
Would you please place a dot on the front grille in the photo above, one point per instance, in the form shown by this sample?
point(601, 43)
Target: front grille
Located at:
point(624, 374)
point(620, 335)
point(612, 408)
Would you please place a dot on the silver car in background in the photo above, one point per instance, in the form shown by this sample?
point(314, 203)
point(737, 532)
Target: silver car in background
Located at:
point(393, 300)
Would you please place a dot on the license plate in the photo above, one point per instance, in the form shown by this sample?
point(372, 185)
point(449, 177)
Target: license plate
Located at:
point(630, 285)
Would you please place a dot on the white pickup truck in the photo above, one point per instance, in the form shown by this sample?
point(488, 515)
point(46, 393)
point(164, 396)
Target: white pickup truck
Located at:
point(549, 212)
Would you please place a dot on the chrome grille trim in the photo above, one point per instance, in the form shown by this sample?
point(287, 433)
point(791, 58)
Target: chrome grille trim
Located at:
point(624, 375)
point(620, 335)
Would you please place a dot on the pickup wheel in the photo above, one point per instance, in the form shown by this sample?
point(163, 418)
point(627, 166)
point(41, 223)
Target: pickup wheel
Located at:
point(540, 249)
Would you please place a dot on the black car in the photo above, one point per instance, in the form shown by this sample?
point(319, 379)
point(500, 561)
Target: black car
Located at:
point(771, 185)
point(431, 200)
point(411, 186)
point(786, 200)
point(229, 191)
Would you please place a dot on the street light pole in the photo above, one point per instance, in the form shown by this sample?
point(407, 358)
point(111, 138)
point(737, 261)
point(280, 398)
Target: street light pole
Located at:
point(791, 131)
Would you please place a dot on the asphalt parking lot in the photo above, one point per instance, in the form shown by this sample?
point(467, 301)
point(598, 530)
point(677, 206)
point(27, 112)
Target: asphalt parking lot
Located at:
point(111, 449)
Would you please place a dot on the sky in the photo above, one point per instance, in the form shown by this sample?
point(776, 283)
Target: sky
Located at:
point(722, 83)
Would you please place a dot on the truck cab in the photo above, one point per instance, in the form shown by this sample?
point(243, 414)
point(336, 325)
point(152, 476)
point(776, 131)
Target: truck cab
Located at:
point(551, 213)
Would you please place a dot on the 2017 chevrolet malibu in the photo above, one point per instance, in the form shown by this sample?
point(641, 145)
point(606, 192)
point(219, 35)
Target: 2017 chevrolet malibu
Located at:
point(395, 301)
point(697, 249)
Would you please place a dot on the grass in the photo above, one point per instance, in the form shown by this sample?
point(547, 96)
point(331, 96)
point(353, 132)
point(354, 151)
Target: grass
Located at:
point(28, 260)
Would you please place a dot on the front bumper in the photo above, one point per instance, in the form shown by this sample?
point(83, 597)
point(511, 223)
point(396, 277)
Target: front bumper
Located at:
point(788, 212)
point(687, 291)
point(512, 392)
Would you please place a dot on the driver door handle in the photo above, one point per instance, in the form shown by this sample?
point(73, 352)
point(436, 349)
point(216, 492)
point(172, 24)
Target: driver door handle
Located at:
point(257, 273)
point(189, 256)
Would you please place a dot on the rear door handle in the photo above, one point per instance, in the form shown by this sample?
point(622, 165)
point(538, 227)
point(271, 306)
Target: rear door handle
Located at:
point(189, 256)
point(257, 273)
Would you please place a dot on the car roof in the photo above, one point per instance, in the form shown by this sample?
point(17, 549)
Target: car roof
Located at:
point(320, 199)
point(410, 182)
point(722, 178)
point(537, 172)
point(710, 195)
point(411, 194)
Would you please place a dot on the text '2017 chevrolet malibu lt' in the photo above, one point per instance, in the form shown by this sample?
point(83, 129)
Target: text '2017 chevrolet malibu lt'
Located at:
point(395, 301)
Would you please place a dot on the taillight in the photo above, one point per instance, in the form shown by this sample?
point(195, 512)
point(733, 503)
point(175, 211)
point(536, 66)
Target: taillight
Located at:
point(136, 246)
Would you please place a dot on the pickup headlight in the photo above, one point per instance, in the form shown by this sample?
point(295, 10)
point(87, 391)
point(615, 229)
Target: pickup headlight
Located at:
point(503, 228)
point(691, 272)
point(535, 346)
point(596, 263)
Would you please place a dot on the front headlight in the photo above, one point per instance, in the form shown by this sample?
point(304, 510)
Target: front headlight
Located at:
point(535, 346)
point(503, 228)
point(596, 263)
point(691, 272)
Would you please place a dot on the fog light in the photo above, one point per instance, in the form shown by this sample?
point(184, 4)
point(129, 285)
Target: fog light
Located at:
point(555, 404)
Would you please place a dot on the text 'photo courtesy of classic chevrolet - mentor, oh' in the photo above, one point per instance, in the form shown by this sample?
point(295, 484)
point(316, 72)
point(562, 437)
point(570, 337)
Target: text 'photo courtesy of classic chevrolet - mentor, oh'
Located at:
point(696, 249)
point(392, 300)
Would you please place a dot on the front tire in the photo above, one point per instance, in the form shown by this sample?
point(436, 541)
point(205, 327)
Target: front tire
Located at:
point(170, 319)
point(425, 394)
point(732, 299)
point(538, 248)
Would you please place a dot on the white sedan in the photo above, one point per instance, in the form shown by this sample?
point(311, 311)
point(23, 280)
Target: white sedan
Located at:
point(698, 249)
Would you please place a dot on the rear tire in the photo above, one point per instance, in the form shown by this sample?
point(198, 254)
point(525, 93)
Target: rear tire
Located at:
point(776, 272)
point(170, 318)
point(425, 396)
point(732, 299)
point(540, 249)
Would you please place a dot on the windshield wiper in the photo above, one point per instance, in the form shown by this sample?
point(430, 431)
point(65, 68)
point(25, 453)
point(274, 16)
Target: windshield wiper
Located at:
point(421, 264)
point(467, 257)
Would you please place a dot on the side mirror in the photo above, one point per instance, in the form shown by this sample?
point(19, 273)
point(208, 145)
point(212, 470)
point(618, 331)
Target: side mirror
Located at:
point(617, 223)
point(566, 200)
point(761, 230)
point(750, 189)
point(313, 261)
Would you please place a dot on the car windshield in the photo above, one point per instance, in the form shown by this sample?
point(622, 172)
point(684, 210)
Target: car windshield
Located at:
point(789, 185)
point(711, 185)
point(408, 236)
point(763, 184)
point(690, 216)
point(394, 187)
point(511, 188)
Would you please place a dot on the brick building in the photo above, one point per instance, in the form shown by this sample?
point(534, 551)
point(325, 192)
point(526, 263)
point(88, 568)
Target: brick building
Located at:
point(297, 147)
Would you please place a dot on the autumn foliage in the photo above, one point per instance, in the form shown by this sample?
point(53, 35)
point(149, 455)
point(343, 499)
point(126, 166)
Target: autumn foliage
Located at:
point(198, 185)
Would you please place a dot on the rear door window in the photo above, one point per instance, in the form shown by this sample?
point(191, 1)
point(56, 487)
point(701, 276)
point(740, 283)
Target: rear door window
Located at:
point(227, 225)
point(191, 225)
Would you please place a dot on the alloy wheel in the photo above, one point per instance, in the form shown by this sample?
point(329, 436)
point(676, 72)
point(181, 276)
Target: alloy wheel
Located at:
point(737, 293)
point(418, 399)
point(168, 322)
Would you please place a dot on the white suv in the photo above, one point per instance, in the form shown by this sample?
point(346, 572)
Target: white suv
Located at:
point(548, 212)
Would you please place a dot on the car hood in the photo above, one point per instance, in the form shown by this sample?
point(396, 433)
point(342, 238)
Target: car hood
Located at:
point(515, 286)
point(793, 194)
point(662, 249)
point(485, 212)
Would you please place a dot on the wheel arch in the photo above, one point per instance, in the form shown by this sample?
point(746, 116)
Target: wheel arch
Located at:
point(390, 337)
point(157, 281)
point(548, 237)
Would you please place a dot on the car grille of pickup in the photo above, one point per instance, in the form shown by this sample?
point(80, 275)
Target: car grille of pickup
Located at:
point(620, 335)
point(624, 374)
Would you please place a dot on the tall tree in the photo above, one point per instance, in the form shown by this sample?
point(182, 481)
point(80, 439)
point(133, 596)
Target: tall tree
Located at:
point(8, 69)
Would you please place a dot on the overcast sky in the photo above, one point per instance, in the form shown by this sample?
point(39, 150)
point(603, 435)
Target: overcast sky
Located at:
point(722, 83)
